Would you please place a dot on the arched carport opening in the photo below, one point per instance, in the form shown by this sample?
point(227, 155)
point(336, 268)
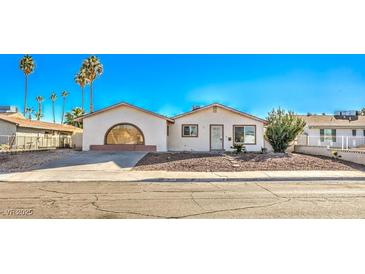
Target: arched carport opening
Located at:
point(124, 134)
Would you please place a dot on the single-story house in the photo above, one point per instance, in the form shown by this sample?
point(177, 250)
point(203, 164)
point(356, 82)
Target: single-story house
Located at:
point(339, 130)
point(19, 132)
point(214, 127)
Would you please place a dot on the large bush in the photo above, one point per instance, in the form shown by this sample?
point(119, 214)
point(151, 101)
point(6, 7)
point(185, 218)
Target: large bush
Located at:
point(282, 129)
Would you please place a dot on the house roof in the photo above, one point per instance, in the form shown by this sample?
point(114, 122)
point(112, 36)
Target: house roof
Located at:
point(330, 121)
point(128, 105)
point(22, 122)
point(224, 107)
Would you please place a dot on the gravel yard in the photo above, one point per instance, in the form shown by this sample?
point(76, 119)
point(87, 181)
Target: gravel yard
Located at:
point(205, 162)
point(27, 161)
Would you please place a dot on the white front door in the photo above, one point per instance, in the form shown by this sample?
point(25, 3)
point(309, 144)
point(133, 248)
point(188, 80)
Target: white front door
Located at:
point(216, 137)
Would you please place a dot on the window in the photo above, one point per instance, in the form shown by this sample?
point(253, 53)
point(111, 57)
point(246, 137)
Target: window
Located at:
point(168, 130)
point(328, 135)
point(354, 132)
point(244, 135)
point(189, 131)
point(363, 132)
point(124, 134)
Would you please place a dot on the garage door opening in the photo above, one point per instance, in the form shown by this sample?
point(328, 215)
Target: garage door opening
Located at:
point(124, 134)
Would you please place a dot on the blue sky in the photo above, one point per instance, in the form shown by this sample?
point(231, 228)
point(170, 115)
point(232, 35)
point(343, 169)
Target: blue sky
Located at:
point(170, 84)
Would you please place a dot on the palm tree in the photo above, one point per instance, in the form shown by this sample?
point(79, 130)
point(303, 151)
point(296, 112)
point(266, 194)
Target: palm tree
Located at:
point(53, 98)
point(39, 113)
point(64, 94)
point(81, 80)
point(71, 116)
point(29, 111)
point(27, 65)
point(93, 68)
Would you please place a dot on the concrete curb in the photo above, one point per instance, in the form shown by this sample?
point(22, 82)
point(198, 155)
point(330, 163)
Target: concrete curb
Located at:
point(201, 180)
point(59, 176)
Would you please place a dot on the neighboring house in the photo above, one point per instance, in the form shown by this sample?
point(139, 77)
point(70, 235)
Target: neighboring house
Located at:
point(16, 131)
point(342, 130)
point(211, 128)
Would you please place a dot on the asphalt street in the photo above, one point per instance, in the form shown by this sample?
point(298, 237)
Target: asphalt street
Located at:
point(309, 199)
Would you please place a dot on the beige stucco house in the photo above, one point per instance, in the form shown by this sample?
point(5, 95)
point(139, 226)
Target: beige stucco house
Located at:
point(211, 128)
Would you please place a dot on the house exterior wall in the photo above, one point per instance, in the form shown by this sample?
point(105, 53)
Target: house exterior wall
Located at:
point(7, 128)
point(95, 127)
point(205, 118)
point(31, 132)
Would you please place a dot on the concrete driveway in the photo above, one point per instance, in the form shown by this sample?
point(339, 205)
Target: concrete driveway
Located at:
point(96, 161)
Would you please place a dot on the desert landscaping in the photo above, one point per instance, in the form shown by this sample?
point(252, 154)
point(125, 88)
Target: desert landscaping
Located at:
point(215, 162)
point(190, 161)
point(27, 161)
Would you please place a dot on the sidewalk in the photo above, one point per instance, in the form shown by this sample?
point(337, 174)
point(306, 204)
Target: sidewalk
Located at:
point(58, 175)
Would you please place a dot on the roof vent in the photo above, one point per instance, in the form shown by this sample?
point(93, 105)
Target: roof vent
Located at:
point(196, 107)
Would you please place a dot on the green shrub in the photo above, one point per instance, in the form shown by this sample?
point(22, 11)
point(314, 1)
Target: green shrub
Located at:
point(282, 129)
point(239, 148)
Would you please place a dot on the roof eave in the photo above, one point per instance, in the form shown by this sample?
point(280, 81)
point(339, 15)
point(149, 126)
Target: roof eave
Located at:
point(78, 119)
point(224, 107)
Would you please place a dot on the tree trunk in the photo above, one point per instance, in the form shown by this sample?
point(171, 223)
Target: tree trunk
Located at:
point(54, 117)
point(25, 93)
point(39, 111)
point(63, 109)
point(91, 97)
point(82, 99)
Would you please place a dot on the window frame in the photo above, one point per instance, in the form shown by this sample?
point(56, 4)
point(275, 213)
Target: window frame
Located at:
point(332, 137)
point(244, 143)
point(123, 124)
point(189, 125)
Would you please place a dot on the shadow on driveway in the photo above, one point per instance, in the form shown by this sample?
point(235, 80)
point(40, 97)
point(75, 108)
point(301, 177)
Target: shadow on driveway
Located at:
point(92, 160)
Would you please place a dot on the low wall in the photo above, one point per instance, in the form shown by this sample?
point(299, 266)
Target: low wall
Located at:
point(77, 140)
point(355, 156)
point(123, 148)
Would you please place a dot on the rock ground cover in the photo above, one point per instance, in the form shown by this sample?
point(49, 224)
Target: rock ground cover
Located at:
point(217, 162)
point(27, 161)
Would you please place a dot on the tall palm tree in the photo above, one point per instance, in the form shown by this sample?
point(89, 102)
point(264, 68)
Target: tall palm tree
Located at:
point(27, 65)
point(81, 80)
point(71, 116)
point(64, 94)
point(93, 68)
point(29, 111)
point(39, 113)
point(53, 98)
